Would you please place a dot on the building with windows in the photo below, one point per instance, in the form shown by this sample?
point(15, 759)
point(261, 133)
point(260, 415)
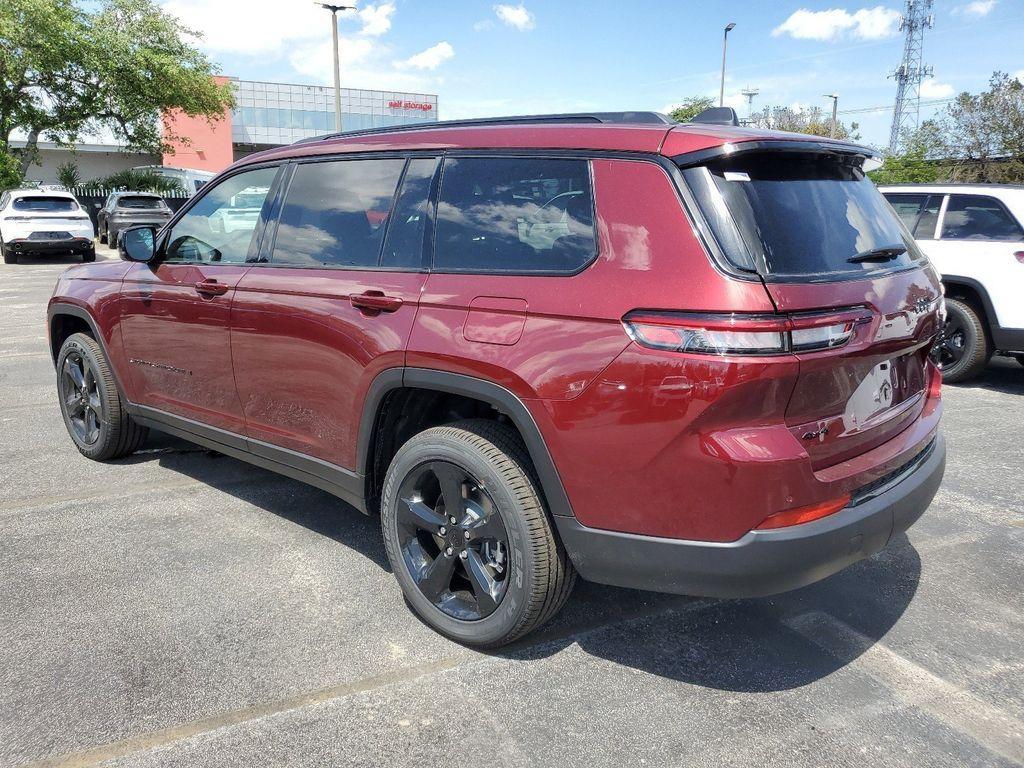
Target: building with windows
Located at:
point(265, 115)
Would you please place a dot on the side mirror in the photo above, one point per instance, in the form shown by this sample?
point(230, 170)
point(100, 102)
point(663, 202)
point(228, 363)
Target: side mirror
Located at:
point(136, 243)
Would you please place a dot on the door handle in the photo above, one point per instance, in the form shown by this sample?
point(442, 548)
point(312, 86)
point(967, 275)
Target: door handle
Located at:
point(375, 302)
point(211, 288)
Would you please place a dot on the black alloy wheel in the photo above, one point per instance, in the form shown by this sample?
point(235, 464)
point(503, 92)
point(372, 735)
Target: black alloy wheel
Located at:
point(961, 349)
point(452, 540)
point(80, 391)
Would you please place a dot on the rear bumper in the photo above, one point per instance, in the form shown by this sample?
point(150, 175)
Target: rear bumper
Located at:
point(761, 562)
point(30, 247)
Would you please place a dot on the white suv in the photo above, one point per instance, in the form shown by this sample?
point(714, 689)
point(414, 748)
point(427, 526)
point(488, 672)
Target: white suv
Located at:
point(42, 221)
point(974, 236)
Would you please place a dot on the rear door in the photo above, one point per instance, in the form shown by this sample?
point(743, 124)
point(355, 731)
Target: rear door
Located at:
point(333, 301)
point(824, 241)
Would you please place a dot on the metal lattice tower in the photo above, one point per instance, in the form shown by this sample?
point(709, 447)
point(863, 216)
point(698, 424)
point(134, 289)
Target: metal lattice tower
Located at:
point(916, 19)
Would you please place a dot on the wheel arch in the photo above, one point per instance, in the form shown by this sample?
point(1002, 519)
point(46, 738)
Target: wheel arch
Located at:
point(64, 319)
point(971, 289)
point(481, 390)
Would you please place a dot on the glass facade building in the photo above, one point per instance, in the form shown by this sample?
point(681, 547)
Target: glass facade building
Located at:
point(272, 114)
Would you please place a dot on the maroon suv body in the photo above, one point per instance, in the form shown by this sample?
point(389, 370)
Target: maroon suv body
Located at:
point(702, 349)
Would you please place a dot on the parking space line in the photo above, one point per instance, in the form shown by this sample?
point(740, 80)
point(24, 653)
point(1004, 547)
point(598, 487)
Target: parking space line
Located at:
point(167, 736)
point(991, 727)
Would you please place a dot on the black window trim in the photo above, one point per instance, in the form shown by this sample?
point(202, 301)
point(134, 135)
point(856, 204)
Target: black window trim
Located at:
point(924, 206)
point(996, 200)
point(588, 157)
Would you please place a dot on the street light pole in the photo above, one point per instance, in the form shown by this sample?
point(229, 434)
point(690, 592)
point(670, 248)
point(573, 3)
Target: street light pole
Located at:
point(337, 63)
point(835, 108)
point(725, 42)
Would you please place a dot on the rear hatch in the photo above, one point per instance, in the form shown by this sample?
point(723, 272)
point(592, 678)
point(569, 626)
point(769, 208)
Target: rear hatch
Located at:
point(44, 216)
point(862, 300)
point(142, 208)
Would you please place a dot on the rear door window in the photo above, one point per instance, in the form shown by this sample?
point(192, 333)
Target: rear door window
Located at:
point(334, 213)
point(403, 247)
point(919, 213)
point(515, 215)
point(979, 217)
point(792, 216)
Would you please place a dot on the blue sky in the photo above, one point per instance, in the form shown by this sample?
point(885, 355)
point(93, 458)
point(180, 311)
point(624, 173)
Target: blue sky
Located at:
point(483, 58)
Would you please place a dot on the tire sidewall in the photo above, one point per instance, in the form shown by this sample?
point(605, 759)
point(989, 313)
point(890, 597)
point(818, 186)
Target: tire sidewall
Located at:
point(974, 358)
point(76, 343)
point(510, 612)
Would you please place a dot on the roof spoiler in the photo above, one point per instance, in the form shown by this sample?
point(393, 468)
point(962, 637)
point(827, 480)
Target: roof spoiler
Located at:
point(717, 116)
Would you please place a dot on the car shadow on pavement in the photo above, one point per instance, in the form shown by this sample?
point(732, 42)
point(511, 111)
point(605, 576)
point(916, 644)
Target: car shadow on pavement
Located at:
point(756, 645)
point(1003, 375)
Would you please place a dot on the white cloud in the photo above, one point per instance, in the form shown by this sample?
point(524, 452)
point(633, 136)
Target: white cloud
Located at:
point(515, 16)
point(976, 9)
point(484, 25)
point(431, 58)
point(376, 18)
point(864, 24)
point(932, 89)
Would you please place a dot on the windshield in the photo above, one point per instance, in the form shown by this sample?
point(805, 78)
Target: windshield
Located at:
point(45, 204)
point(140, 201)
point(800, 216)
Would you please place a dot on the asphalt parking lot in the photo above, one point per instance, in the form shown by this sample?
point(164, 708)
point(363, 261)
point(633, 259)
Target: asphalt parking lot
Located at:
point(183, 608)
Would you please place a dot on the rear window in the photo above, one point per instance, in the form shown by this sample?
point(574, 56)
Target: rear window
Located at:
point(140, 201)
point(45, 204)
point(799, 216)
point(515, 215)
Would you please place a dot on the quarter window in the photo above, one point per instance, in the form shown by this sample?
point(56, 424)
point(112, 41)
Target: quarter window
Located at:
point(977, 217)
point(514, 215)
point(335, 213)
point(404, 245)
point(220, 227)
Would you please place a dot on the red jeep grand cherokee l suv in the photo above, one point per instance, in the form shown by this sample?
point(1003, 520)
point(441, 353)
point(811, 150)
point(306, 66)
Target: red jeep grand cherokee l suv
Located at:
point(687, 358)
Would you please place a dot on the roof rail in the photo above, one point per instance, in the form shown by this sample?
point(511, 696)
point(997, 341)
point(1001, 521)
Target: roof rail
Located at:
point(649, 118)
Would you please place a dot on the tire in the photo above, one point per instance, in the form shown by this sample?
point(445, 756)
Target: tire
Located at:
point(89, 255)
point(963, 351)
point(115, 434)
point(534, 577)
point(112, 235)
point(9, 257)
point(103, 234)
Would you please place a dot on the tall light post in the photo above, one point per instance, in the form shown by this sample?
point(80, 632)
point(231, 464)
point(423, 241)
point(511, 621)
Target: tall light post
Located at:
point(337, 64)
point(725, 42)
point(835, 108)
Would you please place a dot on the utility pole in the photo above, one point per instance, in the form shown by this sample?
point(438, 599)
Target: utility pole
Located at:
point(750, 93)
point(835, 108)
point(916, 19)
point(337, 63)
point(725, 42)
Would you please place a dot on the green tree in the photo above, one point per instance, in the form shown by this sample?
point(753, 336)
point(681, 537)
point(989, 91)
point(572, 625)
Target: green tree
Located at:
point(10, 171)
point(919, 162)
point(814, 121)
point(68, 175)
point(139, 181)
point(691, 107)
point(68, 72)
point(985, 132)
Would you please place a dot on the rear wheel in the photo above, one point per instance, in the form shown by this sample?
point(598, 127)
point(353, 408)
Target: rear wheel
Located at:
point(103, 234)
point(9, 256)
point(93, 413)
point(468, 537)
point(112, 237)
point(89, 255)
point(962, 350)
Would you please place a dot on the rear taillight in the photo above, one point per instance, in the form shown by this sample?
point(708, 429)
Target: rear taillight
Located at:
point(743, 334)
point(1019, 255)
point(799, 515)
point(934, 380)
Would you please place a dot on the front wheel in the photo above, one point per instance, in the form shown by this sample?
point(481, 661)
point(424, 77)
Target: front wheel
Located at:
point(962, 349)
point(468, 537)
point(93, 412)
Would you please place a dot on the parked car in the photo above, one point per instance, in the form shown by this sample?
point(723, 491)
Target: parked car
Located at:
point(191, 180)
point(122, 209)
point(710, 376)
point(36, 222)
point(974, 236)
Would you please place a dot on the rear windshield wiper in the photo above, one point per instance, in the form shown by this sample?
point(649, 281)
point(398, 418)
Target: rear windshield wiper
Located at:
point(882, 253)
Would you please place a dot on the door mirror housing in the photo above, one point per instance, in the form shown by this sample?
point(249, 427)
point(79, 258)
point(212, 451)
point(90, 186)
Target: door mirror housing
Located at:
point(137, 244)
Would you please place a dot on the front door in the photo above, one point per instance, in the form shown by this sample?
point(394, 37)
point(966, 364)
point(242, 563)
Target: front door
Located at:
point(334, 303)
point(176, 310)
